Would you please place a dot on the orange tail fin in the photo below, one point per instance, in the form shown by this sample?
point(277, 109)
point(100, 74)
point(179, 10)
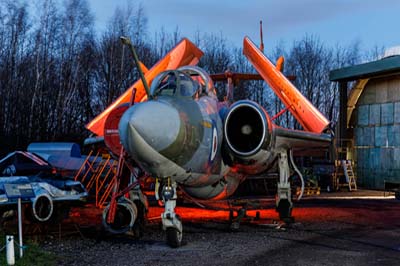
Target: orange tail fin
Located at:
point(280, 63)
point(302, 109)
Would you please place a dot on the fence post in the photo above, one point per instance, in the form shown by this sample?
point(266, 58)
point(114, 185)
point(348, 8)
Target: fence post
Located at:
point(10, 250)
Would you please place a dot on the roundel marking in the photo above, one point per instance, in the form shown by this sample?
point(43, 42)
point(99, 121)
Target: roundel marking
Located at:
point(214, 144)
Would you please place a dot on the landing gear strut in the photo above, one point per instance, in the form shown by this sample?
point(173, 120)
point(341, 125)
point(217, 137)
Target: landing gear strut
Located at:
point(235, 221)
point(170, 220)
point(284, 203)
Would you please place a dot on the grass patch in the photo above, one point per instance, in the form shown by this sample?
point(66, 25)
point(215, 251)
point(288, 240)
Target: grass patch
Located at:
point(33, 254)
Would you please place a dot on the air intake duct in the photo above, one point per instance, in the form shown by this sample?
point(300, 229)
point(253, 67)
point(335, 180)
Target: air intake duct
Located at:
point(247, 128)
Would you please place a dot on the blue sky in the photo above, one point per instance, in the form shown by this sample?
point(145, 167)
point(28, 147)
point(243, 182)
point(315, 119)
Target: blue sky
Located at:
point(335, 21)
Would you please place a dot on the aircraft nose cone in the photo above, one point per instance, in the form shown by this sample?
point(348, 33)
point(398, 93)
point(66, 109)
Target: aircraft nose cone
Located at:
point(149, 124)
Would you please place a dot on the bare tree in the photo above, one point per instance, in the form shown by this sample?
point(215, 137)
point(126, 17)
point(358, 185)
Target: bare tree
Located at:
point(77, 32)
point(310, 60)
point(375, 53)
point(116, 69)
point(14, 52)
point(341, 57)
point(164, 41)
point(43, 68)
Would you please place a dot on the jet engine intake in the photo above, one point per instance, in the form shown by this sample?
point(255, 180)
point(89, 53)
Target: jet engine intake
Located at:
point(42, 208)
point(247, 128)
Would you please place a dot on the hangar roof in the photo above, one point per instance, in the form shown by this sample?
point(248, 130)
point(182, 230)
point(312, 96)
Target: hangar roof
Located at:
point(380, 67)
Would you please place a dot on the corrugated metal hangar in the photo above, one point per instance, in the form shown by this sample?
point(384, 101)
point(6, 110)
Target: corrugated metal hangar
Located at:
point(369, 120)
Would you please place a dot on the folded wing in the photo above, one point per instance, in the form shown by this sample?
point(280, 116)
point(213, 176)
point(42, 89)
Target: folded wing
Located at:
point(184, 53)
point(302, 109)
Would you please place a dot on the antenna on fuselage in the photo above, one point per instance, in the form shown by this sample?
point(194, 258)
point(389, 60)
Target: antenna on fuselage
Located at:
point(126, 41)
point(261, 38)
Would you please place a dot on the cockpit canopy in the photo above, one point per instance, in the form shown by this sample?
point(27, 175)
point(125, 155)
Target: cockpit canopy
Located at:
point(187, 81)
point(174, 83)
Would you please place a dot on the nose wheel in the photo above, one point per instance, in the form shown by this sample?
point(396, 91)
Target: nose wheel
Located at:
point(174, 237)
point(171, 221)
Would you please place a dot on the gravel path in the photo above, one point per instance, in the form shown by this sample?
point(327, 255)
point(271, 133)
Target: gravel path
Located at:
point(355, 232)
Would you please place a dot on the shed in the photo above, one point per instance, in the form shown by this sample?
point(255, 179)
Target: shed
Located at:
point(370, 117)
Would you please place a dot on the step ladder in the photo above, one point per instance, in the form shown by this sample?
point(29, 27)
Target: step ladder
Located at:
point(349, 174)
point(98, 174)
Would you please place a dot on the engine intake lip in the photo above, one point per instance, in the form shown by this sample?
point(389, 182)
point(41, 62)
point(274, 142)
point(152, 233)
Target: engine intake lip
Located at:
point(234, 117)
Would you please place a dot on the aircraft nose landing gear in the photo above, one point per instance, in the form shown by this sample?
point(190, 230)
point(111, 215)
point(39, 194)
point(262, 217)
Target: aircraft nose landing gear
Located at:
point(170, 220)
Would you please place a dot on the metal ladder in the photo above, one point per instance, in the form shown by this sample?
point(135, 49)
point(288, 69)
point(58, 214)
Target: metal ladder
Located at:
point(98, 175)
point(349, 173)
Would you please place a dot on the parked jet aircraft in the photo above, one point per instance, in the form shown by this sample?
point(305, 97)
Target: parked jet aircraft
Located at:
point(183, 136)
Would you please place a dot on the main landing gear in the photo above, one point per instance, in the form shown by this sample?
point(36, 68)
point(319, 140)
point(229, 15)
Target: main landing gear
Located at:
point(171, 221)
point(284, 203)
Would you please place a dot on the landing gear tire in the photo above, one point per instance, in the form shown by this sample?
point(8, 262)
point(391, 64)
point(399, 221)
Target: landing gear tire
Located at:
point(231, 215)
point(235, 221)
point(285, 211)
point(234, 225)
point(174, 237)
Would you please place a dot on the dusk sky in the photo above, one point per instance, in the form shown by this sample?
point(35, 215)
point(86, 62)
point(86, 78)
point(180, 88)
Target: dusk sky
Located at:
point(334, 21)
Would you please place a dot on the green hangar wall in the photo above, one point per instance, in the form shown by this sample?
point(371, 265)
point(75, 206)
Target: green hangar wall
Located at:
point(376, 132)
point(370, 117)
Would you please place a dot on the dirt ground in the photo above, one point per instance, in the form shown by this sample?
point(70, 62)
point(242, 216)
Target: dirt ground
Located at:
point(349, 229)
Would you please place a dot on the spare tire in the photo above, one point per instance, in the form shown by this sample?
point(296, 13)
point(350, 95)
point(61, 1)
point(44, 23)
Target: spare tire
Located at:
point(42, 208)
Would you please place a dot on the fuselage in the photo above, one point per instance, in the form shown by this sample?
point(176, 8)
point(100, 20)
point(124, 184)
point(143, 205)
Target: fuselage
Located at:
point(178, 134)
point(184, 134)
point(175, 137)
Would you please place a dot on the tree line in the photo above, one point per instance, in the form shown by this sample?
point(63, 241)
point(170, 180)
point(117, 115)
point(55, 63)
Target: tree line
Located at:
point(57, 71)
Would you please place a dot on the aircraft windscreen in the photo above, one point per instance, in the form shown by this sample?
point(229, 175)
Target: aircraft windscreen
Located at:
point(188, 86)
point(174, 83)
point(167, 85)
point(200, 77)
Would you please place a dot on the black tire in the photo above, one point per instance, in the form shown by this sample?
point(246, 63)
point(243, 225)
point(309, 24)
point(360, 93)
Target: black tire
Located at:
point(174, 237)
point(140, 223)
point(231, 216)
point(285, 211)
point(235, 226)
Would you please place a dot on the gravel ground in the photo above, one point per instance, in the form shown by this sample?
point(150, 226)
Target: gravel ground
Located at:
point(328, 232)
